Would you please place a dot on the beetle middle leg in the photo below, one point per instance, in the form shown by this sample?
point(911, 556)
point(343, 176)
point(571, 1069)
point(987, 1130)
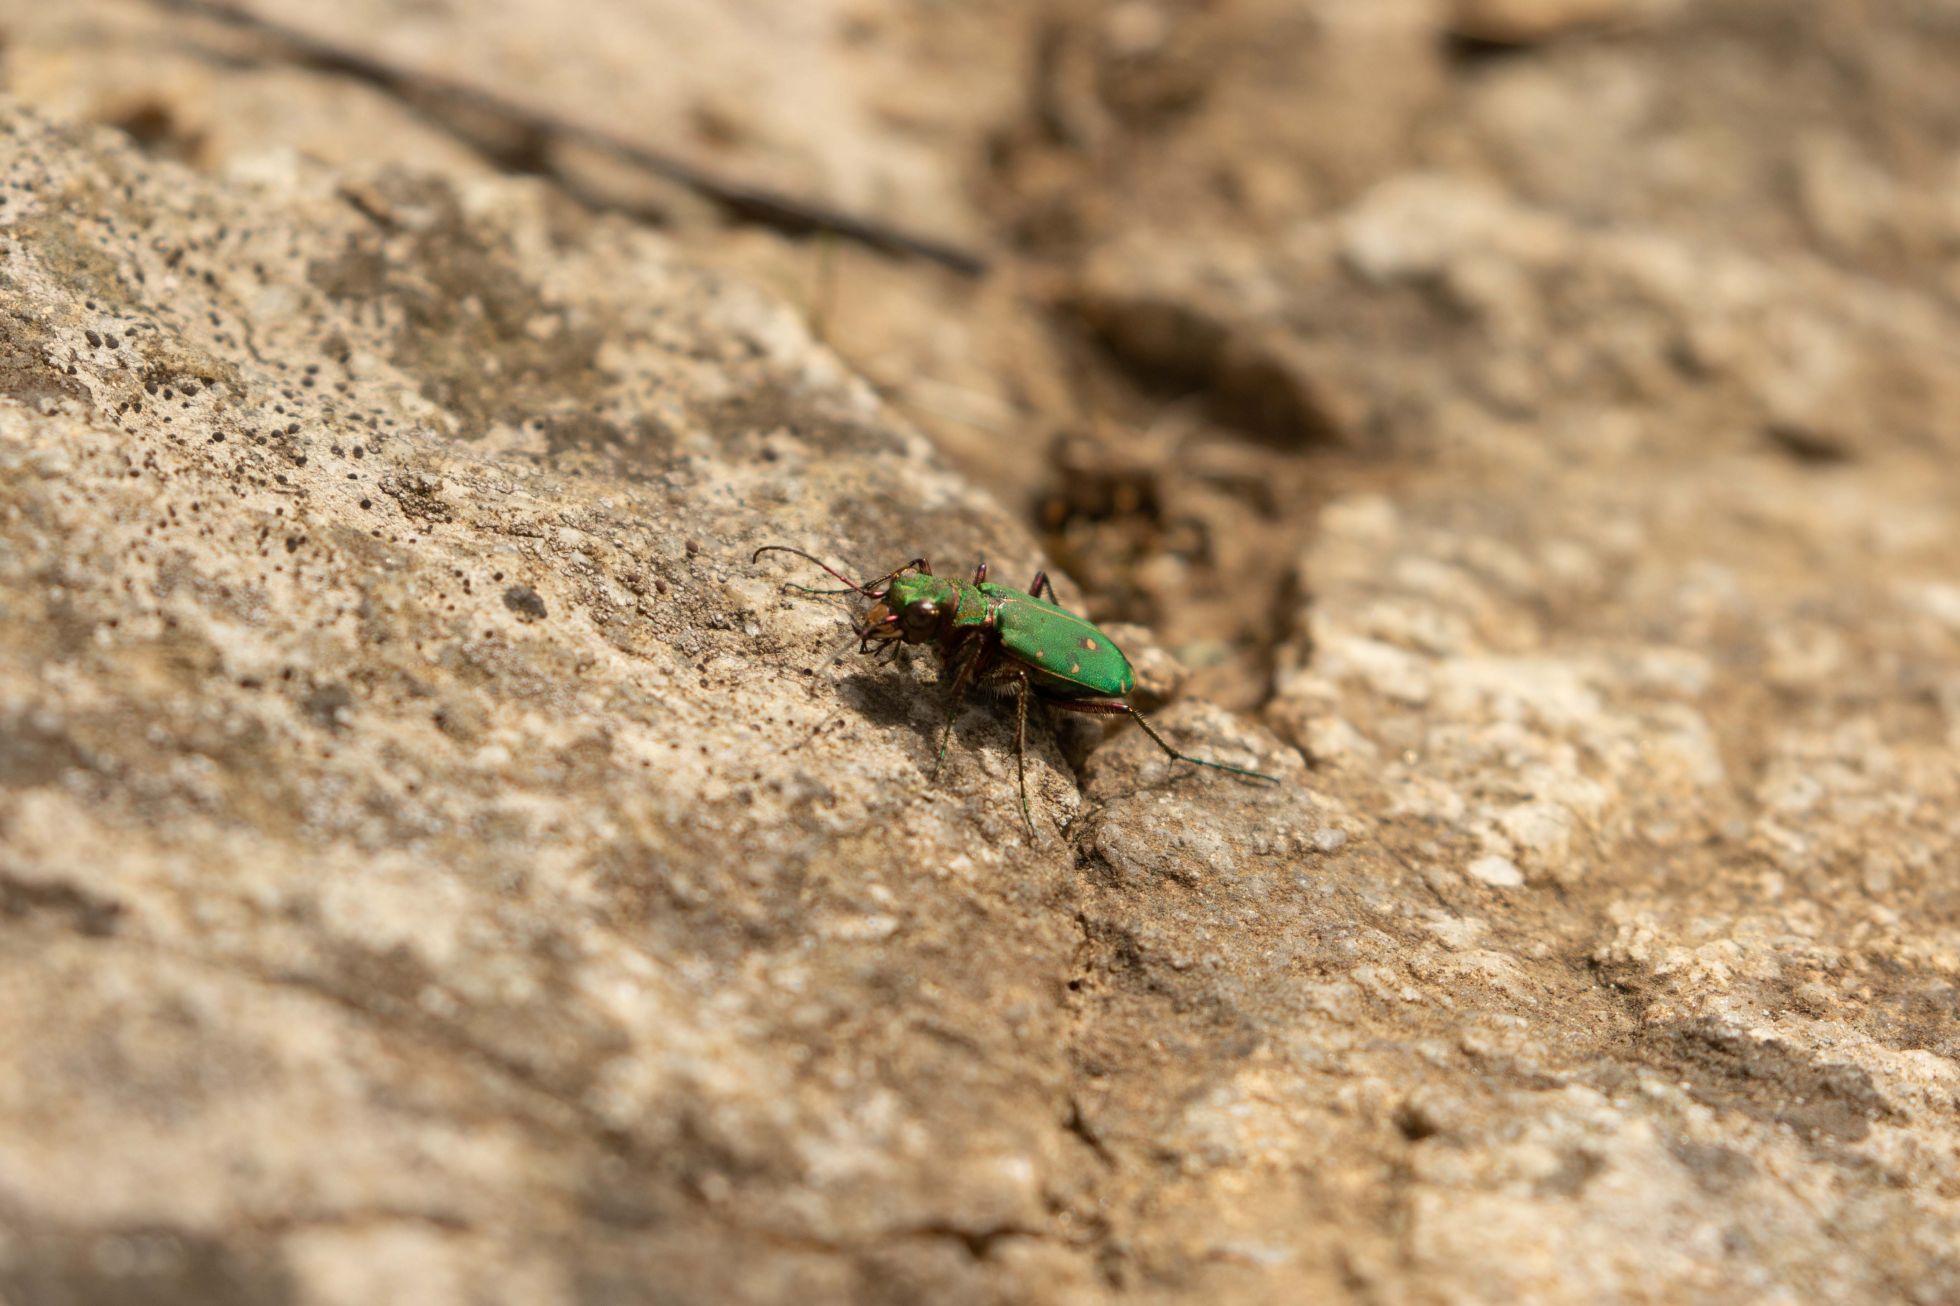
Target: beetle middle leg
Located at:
point(1017, 675)
point(1021, 740)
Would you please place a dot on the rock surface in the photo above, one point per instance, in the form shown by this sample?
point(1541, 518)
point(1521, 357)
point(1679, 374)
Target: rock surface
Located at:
point(436, 864)
point(427, 810)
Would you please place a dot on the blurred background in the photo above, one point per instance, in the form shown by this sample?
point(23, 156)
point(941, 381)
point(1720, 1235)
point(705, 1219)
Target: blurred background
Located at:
point(1149, 269)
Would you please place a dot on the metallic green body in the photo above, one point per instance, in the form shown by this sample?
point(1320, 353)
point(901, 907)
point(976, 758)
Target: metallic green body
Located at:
point(1068, 656)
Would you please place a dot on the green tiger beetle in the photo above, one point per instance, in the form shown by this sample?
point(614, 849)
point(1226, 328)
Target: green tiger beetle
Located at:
point(993, 635)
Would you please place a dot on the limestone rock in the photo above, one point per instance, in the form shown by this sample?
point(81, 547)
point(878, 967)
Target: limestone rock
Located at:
point(436, 864)
point(433, 855)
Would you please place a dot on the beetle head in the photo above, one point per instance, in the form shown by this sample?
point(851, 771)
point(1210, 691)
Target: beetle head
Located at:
point(913, 608)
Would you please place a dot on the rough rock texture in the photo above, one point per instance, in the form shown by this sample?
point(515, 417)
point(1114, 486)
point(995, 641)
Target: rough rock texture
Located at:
point(421, 827)
point(437, 865)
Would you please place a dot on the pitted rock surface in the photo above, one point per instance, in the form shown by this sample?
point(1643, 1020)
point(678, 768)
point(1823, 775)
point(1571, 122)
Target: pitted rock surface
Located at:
point(437, 865)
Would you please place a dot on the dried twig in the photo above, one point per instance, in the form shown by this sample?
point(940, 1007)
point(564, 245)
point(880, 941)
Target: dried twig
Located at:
point(537, 130)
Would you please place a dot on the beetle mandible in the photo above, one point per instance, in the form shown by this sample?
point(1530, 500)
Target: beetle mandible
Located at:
point(991, 634)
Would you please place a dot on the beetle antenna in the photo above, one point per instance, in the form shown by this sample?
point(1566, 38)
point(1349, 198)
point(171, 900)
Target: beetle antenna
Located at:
point(869, 589)
point(805, 589)
point(854, 587)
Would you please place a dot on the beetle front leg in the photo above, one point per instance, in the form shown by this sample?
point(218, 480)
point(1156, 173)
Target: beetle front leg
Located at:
point(969, 662)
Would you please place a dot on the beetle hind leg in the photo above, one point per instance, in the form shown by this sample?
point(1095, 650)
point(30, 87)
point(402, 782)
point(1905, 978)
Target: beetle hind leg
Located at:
point(1116, 707)
point(1012, 676)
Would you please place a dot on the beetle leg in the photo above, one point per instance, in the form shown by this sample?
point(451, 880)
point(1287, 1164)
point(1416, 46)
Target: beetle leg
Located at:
point(1020, 676)
point(1040, 583)
point(969, 662)
point(1116, 707)
point(1017, 674)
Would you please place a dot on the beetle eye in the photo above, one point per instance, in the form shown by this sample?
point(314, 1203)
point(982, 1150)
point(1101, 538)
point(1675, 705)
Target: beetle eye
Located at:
point(919, 617)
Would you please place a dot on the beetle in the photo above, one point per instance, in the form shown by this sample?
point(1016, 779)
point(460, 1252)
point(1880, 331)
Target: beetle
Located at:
point(991, 634)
